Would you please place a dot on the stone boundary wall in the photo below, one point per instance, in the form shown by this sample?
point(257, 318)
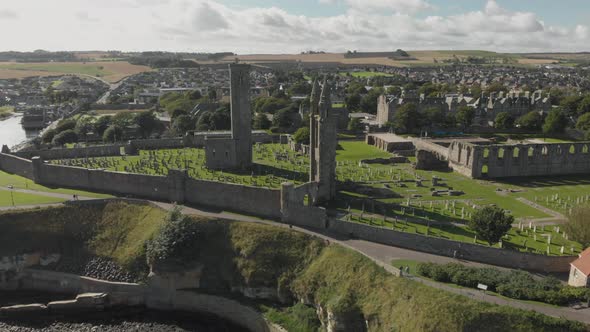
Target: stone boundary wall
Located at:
point(258, 201)
point(91, 151)
point(176, 187)
point(16, 165)
point(296, 210)
point(128, 294)
point(472, 252)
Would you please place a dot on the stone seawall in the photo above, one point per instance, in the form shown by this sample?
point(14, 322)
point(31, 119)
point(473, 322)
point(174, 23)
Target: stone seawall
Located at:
point(466, 251)
point(126, 294)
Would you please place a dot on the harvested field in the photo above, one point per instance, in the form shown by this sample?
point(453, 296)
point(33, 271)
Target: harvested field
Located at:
point(421, 58)
point(108, 71)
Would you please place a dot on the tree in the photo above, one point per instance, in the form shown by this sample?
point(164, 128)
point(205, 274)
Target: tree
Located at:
point(212, 94)
point(353, 102)
point(504, 121)
point(405, 119)
point(123, 119)
point(578, 226)
point(584, 105)
point(496, 87)
point(555, 122)
point(261, 122)
point(147, 123)
point(465, 116)
point(434, 116)
point(102, 124)
point(48, 135)
point(284, 120)
point(571, 104)
point(531, 121)
point(302, 135)
point(584, 122)
point(369, 101)
point(394, 90)
point(491, 223)
point(178, 112)
point(65, 137)
point(184, 123)
point(65, 124)
point(84, 126)
point(221, 119)
point(113, 134)
point(355, 125)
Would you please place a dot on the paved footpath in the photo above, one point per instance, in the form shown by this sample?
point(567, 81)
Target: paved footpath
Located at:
point(380, 254)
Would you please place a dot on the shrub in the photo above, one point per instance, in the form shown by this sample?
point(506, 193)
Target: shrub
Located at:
point(67, 136)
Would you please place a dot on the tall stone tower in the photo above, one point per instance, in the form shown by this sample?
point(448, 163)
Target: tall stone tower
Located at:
point(233, 150)
point(323, 141)
point(241, 113)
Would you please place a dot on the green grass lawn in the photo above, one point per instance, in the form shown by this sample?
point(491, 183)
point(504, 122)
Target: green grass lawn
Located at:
point(24, 183)
point(357, 150)
point(6, 199)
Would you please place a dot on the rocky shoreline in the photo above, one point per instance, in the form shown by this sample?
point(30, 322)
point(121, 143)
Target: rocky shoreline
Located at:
point(122, 321)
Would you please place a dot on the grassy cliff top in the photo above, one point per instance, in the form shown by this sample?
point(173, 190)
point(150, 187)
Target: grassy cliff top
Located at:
point(300, 267)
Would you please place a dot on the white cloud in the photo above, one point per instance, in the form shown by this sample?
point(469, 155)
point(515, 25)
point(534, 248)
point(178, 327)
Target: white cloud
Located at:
point(401, 6)
point(208, 25)
point(7, 14)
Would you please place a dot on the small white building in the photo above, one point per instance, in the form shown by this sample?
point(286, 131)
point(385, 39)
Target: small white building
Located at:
point(580, 270)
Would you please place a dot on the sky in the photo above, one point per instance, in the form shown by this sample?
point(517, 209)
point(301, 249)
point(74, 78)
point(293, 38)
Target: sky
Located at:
point(294, 26)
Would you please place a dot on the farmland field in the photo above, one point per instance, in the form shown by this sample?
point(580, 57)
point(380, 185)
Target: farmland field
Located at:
point(421, 58)
point(109, 71)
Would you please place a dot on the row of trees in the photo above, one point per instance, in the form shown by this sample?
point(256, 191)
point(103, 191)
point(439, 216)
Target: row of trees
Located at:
point(408, 119)
point(553, 123)
point(110, 128)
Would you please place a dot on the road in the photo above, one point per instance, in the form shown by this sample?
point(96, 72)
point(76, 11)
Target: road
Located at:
point(382, 255)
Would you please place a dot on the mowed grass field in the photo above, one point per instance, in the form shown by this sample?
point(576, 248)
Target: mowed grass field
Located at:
point(20, 199)
point(109, 71)
point(19, 182)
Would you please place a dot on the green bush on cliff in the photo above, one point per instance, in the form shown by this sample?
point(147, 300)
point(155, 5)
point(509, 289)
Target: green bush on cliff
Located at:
point(298, 318)
point(514, 284)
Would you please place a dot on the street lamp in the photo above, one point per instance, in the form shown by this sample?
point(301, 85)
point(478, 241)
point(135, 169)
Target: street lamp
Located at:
point(11, 194)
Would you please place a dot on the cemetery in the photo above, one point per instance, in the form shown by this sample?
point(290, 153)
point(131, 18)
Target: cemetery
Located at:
point(392, 196)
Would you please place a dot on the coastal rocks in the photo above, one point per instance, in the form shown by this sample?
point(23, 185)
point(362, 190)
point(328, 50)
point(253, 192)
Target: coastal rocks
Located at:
point(104, 269)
